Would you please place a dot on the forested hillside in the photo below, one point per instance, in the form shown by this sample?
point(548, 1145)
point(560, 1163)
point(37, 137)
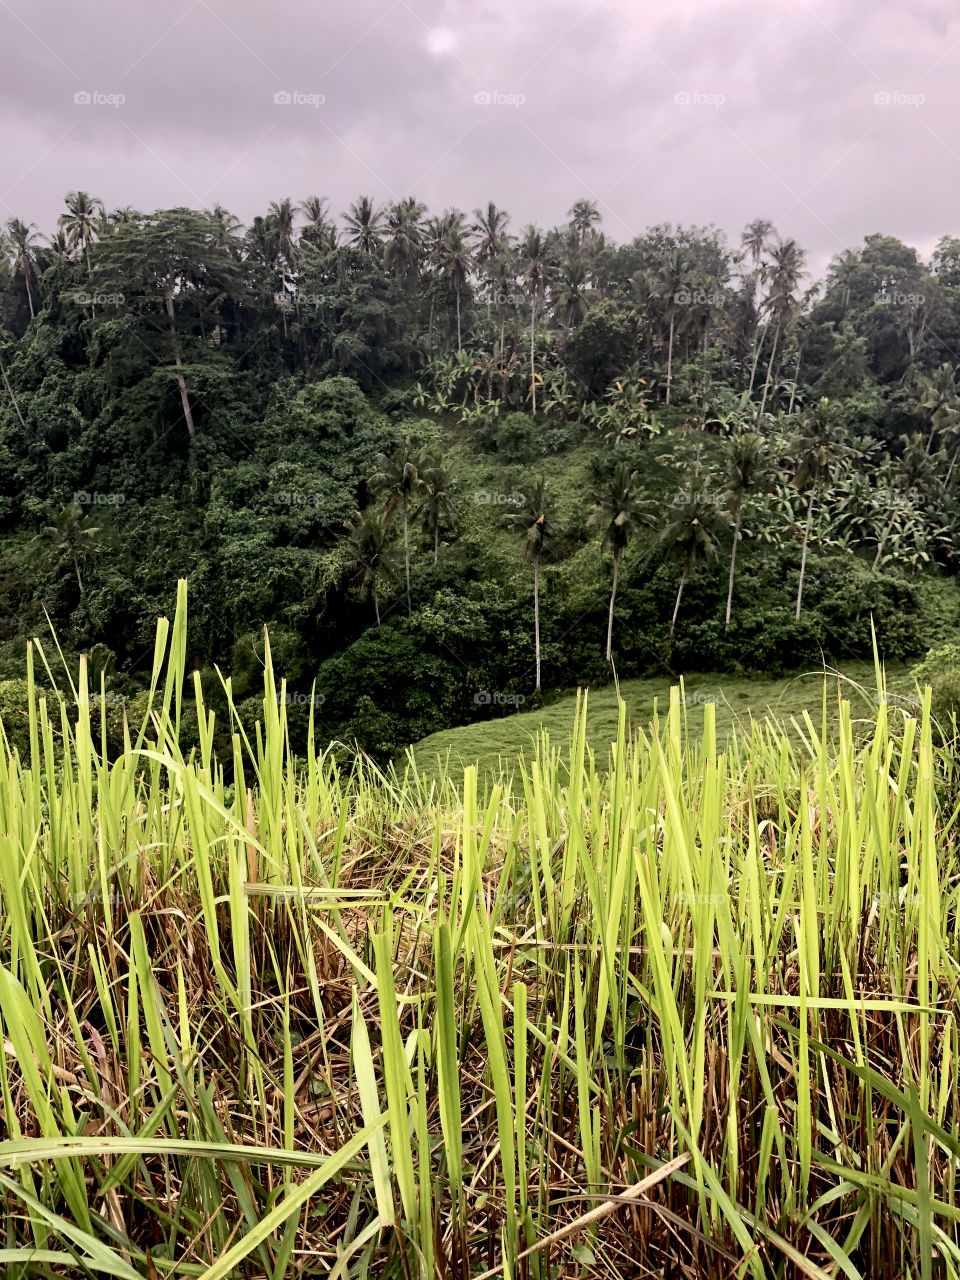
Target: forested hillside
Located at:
point(451, 461)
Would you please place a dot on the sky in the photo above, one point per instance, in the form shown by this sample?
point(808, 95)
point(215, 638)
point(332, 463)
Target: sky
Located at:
point(832, 118)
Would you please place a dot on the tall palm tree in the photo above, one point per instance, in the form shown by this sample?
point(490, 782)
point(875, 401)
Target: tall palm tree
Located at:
point(532, 520)
point(584, 216)
point(618, 514)
point(535, 270)
point(786, 268)
point(72, 538)
point(746, 465)
point(404, 246)
point(364, 223)
point(320, 230)
point(818, 449)
point(669, 282)
point(454, 260)
point(688, 538)
point(570, 295)
point(227, 228)
point(437, 506)
point(939, 398)
point(369, 553)
point(398, 476)
point(81, 221)
point(23, 238)
point(491, 244)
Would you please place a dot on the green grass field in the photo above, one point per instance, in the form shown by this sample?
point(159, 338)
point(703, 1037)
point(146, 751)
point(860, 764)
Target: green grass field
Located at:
point(499, 743)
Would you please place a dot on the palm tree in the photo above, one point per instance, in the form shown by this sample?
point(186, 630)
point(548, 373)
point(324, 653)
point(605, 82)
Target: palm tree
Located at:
point(364, 225)
point(669, 281)
point(398, 475)
point(437, 505)
point(404, 238)
point(491, 244)
point(369, 553)
point(785, 271)
point(570, 297)
point(939, 398)
point(453, 259)
point(746, 465)
point(72, 539)
point(227, 226)
point(818, 449)
point(688, 537)
point(81, 221)
point(23, 238)
point(534, 268)
point(320, 230)
point(583, 217)
point(618, 514)
point(531, 518)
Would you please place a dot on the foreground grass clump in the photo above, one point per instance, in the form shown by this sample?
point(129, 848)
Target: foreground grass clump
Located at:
point(691, 1009)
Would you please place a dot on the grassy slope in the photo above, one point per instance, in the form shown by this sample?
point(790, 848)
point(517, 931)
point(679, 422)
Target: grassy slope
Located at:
point(738, 698)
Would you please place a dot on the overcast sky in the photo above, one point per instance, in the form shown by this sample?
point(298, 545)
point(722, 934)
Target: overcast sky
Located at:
point(834, 118)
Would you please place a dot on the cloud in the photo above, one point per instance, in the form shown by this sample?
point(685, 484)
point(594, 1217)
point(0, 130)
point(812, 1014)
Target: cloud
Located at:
point(833, 121)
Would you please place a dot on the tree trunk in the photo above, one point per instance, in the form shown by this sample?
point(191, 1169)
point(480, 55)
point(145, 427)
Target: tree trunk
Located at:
point(376, 603)
point(406, 555)
point(803, 554)
point(758, 338)
point(536, 618)
point(181, 380)
point(613, 597)
point(796, 378)
point(459, 343)
point(76, 568)
point(13, 398)
point(26, 280)
point(533, 362)
point(436, 541)
point(766, 385)
point(676, 607)
point(733, 566)
point(670, 358)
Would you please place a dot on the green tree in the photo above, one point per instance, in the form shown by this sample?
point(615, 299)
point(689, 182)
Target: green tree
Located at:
point(364, 223)
point(369, 553)
point(437, 505)
point(618, 515)
point(746, 466)
point(72, 539)
point(533, 522)
point(79, 224)
point(688, 538)
point(398, 476)
point(818, 449)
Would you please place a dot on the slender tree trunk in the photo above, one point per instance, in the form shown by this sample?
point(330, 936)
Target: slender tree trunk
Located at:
point(733, 566)
point(459, 343)
point(13, 398)
point(803, 554)
point(536, 618)
point(796, 378)
point(26, 280)
point(406, 554)
point(181, 380)
point(766, 385)
point(883, 542)
point(676, 607)
point(436, 542)
point(76, 568)
point(613, 597)
point(758, 338)
point(670, 357)
point(376, 603)
point(533, 362)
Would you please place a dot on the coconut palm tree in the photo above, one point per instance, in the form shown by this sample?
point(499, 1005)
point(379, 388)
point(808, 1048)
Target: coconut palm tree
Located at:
point(320, 230)
point(584, 216)
point(437, 506)
point(23, 238)
point(786, 269)
point(535, 270)
point(81, 221)
point(746, 465)
point(818, 449)
point(71, 538)
point(227, 228)
point(404, 231)
point(570, 295)
point(669, 282)
point(365, 225)
point(369, 553)
point(398, 476)
point(532, 520)
point(453, 260)
point(618, 514)
point(688, 538)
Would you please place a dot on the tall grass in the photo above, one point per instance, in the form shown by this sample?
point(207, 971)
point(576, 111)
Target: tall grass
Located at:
point(681, 1011)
